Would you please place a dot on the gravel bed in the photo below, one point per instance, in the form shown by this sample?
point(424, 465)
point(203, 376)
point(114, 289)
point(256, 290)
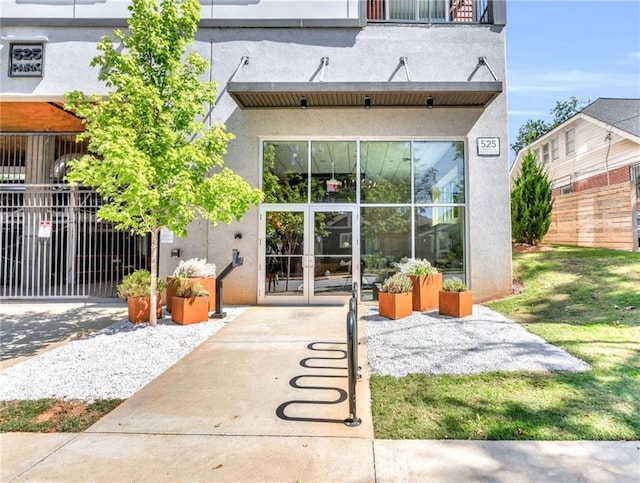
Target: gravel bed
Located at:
point(115, 362)
point(485, 341)
point(112, 363)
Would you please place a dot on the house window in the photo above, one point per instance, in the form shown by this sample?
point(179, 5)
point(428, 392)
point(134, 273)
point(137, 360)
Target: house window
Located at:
point(569, 139)
point(555, 148)
point(545, 153)
point(536, 153)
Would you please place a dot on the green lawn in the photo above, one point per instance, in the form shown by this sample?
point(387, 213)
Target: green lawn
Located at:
point(586, 301)
point(51, 415)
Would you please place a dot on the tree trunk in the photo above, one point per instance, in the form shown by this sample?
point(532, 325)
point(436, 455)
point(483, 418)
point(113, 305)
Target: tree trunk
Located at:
point(153, 318)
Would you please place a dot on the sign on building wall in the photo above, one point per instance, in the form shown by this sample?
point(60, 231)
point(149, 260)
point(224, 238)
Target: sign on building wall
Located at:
point(26, 60)
point(488, 146)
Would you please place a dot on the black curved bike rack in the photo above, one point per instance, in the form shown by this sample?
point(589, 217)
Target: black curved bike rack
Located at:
point(351, 355)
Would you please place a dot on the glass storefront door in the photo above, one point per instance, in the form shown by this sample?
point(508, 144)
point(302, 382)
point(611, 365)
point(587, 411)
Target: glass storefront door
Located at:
point(308, 254)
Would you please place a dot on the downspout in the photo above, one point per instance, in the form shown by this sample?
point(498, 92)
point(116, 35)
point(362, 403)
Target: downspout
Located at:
point(606, 158)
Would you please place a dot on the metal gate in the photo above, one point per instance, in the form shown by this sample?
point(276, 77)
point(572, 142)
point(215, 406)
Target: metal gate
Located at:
point(52, 244)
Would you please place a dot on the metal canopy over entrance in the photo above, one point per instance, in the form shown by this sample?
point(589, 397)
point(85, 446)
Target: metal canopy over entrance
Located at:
point(279, 95)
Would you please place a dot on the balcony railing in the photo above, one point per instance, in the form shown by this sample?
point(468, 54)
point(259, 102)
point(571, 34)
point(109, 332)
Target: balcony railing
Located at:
point(429, 11)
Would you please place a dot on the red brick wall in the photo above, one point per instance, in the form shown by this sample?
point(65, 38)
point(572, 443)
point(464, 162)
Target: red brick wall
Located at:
point(616, 176)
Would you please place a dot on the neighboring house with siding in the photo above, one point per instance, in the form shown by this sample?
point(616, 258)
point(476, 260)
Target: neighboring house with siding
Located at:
point(386, 119)
point(593, 163)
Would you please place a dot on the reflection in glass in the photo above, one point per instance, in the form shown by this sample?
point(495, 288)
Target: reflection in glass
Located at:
point(285, 171)
point(333, 171)
point(439, 171)
point(385, 172)
point(283, 252)
point(440, 238)
point(385, 238)
point(333, 253)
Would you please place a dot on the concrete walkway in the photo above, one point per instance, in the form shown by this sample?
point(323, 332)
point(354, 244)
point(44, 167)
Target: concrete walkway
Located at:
point(264, 400)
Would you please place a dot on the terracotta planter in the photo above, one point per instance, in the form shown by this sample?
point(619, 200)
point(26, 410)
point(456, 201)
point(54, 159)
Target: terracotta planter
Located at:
point(138, 309)
point(425, 291)
point(189, 310)
point(171, 291)
point(394, 305)
point(209, 285)
point(455, 304)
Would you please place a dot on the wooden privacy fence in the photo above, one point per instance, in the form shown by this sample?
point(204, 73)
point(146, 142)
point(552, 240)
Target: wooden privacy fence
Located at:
point(599, 217)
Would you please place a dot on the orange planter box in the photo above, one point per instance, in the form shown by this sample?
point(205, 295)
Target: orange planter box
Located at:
point(425, 291)
point(189, 311)
point(394, 305)
point(455, 304)
point(139, 309)
point(209, 285)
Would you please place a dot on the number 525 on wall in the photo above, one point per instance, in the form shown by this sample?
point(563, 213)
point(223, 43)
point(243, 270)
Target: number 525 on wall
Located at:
point(488, 146)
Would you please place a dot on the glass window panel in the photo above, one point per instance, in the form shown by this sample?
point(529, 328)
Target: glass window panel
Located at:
point(285, 171)
point(283, 251)
point(333, 171)
point(402, 9)
point(385, 238)
point(440, 238)
point(385, 172)
point(333, 249)
point(433, 10)
point(569, 140)
point(439, 171)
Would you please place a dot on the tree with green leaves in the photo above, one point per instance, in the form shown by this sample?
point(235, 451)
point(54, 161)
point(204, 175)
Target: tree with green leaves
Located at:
point(152, 159)
point(531, 202)
point(529, 132)
point(565, 110)
point(532, 130)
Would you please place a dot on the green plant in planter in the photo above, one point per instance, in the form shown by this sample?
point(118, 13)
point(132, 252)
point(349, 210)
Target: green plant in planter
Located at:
point(416, 266)
point(136, 288)
point(398, 283)
point(190, 302)
point(454, 284)
point(426, 281)
point(137, 284)
point(187, 289)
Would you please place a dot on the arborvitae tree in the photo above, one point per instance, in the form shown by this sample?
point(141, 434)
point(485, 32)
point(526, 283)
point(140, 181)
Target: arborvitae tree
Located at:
point(531, 202)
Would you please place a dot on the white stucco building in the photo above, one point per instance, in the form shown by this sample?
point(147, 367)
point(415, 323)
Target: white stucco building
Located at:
point(383, 125)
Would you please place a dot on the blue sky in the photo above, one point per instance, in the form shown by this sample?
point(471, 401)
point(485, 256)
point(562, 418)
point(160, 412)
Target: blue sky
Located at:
point(557, 49)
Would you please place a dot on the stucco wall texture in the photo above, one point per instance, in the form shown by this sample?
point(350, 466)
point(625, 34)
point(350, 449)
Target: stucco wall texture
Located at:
point(372, 53)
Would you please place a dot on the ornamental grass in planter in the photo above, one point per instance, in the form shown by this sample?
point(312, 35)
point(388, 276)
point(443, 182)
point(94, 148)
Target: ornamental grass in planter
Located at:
point(455, 299)
point(426, 280)
point(136, 288)
point(198, 270)
point(394, 299)
point(190, 302)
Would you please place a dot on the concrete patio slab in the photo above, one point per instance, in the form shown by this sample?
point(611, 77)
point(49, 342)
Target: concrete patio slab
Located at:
point(28, 330)
point(257, 376)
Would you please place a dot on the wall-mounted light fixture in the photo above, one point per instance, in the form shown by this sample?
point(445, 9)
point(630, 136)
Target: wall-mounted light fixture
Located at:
point(429, 102)
point(303, 102)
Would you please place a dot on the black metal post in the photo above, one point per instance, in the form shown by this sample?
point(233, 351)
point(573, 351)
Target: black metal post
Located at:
point(352, 368)
point(236, 261)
